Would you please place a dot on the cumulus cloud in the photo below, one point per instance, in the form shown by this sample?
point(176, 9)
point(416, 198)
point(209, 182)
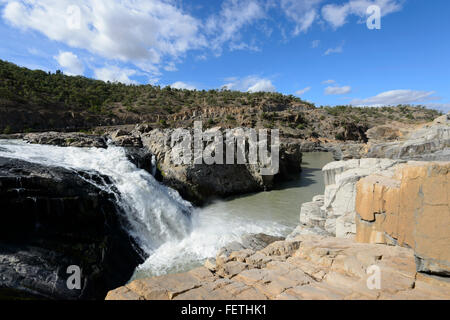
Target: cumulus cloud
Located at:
point(336, 14)
point(139, 31)
point(226, 26)
point(115, 74)
point(329, 82)
point(250, 84)
point(70, 63)
point(337, 90)
point(262, 86)
point(302, 12)
point(395, 97)
point(315, 43)
point(302, 91)
point(182, 85)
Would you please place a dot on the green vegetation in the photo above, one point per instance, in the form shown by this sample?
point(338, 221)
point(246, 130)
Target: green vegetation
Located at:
point(24, 86)
point(54, 101)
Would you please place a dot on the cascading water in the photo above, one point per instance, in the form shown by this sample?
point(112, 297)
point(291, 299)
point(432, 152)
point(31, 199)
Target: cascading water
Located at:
point(174, 234)
point(155, 213)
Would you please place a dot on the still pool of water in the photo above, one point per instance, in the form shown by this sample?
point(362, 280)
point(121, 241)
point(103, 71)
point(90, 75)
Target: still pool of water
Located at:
point(274, 212)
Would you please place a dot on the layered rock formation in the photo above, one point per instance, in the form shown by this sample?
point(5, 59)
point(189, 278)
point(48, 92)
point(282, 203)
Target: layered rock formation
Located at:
point(408, 207)
point(429, 142)
point(198, 182)
point(334, 213)
point(306, 267)
point(195, 182)
point(52, 218)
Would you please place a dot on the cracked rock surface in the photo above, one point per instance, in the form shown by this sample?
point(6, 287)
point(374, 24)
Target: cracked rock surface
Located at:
point(305, 267)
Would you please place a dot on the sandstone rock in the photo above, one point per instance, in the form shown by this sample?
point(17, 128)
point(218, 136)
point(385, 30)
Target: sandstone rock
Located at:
point(411, 209)
point(310, 267)
point(334, 212)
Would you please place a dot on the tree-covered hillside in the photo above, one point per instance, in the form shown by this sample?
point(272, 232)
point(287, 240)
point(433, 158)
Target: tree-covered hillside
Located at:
point(34, 100)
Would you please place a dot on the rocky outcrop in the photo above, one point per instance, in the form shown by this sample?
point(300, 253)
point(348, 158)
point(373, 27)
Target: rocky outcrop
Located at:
point(430, 142)
point(306, 267)
point(198, 182)
point(334, 213)
point(408, 207)
point(66, 139)
point(52, 218)
point(151, 149)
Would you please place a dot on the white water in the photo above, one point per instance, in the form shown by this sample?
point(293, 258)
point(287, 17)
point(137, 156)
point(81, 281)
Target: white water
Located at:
point(167, 227)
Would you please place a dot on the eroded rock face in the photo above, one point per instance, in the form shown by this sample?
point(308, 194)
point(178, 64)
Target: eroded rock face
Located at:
point(198, 182)
point(52, 218)
point(306, 267)
point(428, 143)
point(409, 208)
point(334, 212)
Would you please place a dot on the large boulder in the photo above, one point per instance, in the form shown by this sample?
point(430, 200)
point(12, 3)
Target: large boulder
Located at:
point(199, 182)
point(53, 218)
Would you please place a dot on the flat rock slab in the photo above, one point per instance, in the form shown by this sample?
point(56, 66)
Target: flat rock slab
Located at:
point(307, 267)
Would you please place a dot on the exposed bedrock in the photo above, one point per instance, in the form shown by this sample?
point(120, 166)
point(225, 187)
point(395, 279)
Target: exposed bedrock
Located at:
point(409, 207)
point(334, 212)
point(52, 218)
point(305, 267)
point(430, 142)
point(195, 182)
point(198, 182)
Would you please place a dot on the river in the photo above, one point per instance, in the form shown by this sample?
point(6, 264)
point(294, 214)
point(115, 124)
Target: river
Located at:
point(275, 212)
point(175, 235)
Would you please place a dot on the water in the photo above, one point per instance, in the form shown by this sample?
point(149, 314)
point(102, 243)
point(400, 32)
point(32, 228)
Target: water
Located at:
point(275, 212)
point(155, 213)
point(176, 236)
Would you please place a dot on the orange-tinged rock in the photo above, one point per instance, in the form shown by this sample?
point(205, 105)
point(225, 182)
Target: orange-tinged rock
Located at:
point(410, 209)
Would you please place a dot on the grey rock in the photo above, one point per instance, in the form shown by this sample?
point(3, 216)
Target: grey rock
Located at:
point(53, 218)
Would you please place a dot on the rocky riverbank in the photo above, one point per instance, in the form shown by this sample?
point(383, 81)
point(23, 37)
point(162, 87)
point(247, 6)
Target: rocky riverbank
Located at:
point(52, 218)
point(195, 182)
point(393, 214)
point(310, 266)
point(305, 267)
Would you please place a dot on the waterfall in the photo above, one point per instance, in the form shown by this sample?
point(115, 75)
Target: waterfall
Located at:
point(155, 213)
point(174, 234)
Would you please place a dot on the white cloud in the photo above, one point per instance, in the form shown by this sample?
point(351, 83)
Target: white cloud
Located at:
point(182, 85)
point(115, 74)
point(338, 49)
point(336, 15)
point(234, 15)
point(329, 82)
point(444, 107)
point(262, 86)
point(302, 91)
point(143, 32)
point(315, 43)
point(395, 97)
point(302, 12)
point(250, 84)
point(337, 90)
point(70, 63)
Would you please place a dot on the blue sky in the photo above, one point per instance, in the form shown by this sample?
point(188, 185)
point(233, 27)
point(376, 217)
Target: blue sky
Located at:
point(320, 50)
